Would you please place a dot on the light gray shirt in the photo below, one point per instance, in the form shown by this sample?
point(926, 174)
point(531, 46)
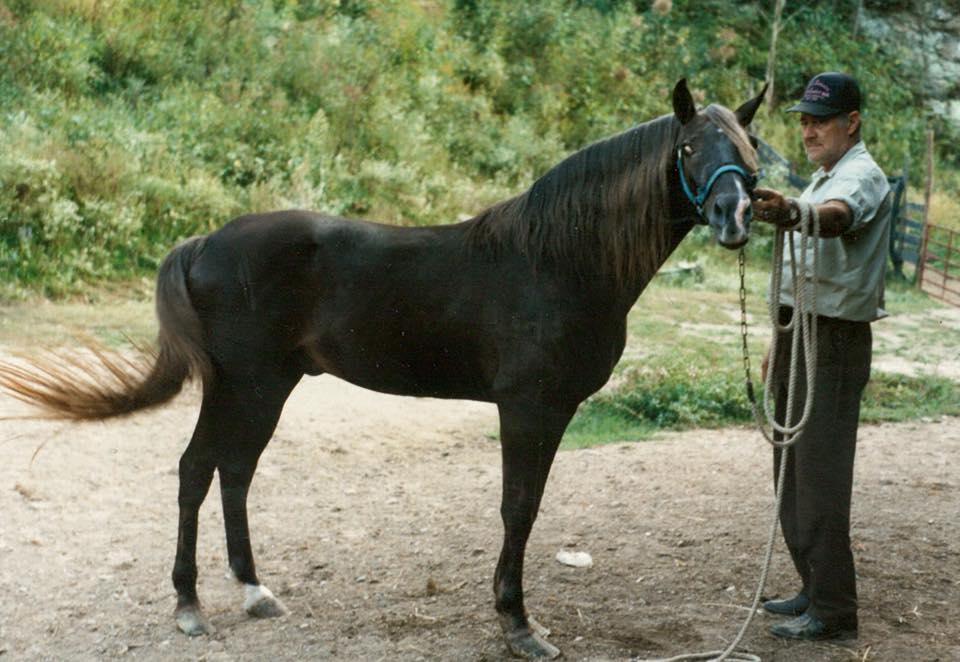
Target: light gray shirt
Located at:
point(851, 267)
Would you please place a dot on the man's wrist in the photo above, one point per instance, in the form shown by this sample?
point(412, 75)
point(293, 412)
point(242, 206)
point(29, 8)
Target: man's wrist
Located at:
point(793, 214)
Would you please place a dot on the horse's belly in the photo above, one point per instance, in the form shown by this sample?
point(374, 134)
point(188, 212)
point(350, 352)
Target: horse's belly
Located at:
point(423, 368)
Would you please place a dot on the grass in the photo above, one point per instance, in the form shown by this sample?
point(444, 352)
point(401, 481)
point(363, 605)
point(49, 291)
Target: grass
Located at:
point(109, 318)
point(682, 400)
point(893, 398)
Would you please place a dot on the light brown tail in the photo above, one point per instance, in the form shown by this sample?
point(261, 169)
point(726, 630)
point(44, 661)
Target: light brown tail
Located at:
point(76, 387)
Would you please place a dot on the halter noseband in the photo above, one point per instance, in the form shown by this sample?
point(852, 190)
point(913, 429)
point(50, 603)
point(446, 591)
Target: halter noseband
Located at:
point(697, 200)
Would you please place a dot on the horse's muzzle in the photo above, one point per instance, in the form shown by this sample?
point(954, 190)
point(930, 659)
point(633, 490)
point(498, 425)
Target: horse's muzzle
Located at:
point(729, 216)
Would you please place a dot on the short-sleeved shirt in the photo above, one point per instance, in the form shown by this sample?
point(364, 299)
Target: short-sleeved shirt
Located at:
point(851, 268)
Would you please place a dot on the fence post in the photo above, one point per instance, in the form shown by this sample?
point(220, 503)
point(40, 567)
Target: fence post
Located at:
point(927, 192)
point(946, 265)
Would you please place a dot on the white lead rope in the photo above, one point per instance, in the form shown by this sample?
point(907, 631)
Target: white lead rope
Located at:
point(804, 289)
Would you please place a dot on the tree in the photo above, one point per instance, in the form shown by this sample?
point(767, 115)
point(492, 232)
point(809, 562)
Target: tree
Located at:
point(772, 55)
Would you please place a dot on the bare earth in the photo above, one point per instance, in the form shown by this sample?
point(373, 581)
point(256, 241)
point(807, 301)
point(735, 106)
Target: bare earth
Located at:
point(376, 519)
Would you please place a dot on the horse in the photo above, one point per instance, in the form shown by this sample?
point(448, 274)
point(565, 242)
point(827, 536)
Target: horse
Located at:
point(523, 305)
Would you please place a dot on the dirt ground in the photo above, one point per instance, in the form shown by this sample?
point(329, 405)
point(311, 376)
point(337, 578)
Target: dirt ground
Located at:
point(376, 519)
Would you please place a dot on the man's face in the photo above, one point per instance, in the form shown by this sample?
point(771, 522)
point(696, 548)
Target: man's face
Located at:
point(826, 139)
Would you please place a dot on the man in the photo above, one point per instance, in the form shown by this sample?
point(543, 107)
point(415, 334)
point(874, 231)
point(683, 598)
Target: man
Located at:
point(850, 193)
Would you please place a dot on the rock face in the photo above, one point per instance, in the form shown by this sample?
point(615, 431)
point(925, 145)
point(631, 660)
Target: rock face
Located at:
point(930, 31)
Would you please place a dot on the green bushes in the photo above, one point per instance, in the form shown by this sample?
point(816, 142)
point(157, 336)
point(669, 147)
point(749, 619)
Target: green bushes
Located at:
point(894, 397)
point(676, 394)
point(127, 125)
point(685, 394)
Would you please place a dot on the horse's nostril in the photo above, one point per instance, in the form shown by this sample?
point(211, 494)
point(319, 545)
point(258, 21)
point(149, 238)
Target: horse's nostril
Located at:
point(725, 205)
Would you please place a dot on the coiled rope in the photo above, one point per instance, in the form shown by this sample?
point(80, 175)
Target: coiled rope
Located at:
point(805, 334)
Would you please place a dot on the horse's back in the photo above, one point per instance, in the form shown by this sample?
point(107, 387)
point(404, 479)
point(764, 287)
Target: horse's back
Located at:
point(417, 311)
point(385, 307)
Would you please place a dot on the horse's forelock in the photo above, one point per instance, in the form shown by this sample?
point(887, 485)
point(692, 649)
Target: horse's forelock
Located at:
point(727, 122)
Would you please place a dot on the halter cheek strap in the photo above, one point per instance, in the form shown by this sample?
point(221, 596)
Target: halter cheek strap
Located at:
point(697, 200)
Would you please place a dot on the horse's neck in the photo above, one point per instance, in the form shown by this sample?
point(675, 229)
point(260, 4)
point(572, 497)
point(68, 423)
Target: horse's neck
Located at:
point(677, 231)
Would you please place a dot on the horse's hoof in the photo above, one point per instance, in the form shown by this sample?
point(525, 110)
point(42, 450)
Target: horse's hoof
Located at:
point(192, 622)
point(530, 645)
point(542, 630)
point(261, 603)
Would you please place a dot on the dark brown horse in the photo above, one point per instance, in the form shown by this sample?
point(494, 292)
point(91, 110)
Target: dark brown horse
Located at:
point(524, 305)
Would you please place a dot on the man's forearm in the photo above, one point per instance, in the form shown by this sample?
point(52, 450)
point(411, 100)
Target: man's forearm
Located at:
point(835, 218)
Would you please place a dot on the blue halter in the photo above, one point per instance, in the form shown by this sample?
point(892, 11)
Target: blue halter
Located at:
point(749, 179)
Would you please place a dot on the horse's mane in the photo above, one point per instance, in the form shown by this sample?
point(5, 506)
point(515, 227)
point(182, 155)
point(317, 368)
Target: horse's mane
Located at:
point(603, 210)
point(730, 125)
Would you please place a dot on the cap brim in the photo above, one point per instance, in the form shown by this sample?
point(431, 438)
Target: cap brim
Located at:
point(810, 108)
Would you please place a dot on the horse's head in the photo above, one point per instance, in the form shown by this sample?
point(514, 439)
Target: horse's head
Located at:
point(716, 164)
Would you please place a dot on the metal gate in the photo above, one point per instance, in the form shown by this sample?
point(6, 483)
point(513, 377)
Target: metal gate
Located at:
point(938, 272)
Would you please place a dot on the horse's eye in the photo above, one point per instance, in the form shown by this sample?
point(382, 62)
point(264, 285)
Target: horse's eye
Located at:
point(688, 150)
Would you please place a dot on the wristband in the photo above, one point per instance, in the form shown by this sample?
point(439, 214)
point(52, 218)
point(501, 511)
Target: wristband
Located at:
point(793, 213)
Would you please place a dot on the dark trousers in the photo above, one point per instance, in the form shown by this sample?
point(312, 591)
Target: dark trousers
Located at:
point(815, 514)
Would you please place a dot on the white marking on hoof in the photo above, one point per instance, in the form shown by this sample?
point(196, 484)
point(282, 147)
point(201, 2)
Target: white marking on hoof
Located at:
point(261, 603)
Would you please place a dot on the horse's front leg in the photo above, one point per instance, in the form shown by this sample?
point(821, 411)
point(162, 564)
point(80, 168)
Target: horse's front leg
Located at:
point(529, 436)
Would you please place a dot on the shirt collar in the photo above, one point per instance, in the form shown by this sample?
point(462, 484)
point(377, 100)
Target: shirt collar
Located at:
point(855, 150)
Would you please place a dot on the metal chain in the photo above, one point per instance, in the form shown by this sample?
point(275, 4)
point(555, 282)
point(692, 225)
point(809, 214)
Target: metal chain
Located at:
point(742, 264)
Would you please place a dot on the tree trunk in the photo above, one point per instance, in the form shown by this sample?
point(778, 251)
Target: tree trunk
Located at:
point(772, 56)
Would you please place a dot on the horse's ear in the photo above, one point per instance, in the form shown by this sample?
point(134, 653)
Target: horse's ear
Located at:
point(746, 112)
point(683, 106)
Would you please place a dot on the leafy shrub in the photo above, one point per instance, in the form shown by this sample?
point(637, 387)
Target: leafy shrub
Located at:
point(896, 397)
point(683, 394)
point(126, 129)
point(676, 394)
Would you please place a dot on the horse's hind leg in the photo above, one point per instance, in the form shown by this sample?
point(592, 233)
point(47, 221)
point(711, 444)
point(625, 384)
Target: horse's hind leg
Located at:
point(529, 437)
point(237, 419)
point(196, 472)
point(236, 465)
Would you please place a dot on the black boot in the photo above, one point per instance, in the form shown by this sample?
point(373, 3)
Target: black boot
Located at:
point(810, 628)
point(792, 607)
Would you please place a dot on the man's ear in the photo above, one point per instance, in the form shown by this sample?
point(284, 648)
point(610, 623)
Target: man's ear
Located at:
point(683, 106)
point(746, 112)
point(854, 124)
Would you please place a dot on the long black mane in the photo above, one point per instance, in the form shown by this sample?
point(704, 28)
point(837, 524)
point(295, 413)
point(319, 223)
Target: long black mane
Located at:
point(603, 210)
point(600, 210)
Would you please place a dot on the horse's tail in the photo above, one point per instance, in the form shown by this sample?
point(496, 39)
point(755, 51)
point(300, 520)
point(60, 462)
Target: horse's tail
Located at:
point(74, 387)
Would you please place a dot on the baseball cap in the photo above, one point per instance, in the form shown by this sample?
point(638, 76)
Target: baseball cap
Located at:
point(829, 93)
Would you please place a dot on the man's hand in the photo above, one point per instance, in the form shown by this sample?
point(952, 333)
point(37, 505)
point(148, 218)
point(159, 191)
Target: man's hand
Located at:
point(764, 366)
point(771, 206)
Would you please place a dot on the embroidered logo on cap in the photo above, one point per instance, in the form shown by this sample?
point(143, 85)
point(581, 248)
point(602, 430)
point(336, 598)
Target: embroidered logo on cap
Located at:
point(817, 90)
